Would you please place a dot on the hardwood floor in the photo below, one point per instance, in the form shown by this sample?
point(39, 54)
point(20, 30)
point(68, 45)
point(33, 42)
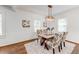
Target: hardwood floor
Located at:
point(76, 50)
point(19, 48)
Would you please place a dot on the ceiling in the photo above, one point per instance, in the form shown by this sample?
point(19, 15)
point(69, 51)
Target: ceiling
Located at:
point(43, 9)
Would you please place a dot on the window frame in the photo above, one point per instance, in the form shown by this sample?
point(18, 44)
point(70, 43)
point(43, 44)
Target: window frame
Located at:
point(3, 24)
point(62, 25)
point(40, 24)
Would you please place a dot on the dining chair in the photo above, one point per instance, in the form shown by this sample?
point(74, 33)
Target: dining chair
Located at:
point(64, 38)
point(40, 41)
point(55, 43)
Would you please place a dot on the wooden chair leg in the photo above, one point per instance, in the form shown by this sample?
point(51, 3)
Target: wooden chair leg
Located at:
point(42, 42)
point(53, 51)
point(45, 46)
point(61, 45)
point(59, 48)
point(64, 44)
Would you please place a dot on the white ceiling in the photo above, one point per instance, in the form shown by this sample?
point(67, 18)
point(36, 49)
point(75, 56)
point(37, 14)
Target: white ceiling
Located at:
point(43, 9)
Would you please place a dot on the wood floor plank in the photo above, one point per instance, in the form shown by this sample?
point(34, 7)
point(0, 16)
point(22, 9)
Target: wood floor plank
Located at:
point(17, 48)
point(76, 50)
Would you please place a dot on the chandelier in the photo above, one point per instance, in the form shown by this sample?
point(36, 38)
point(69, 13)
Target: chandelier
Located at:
point(49, 17)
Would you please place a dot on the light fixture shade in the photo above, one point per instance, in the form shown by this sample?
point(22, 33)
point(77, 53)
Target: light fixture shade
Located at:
point(49, 18)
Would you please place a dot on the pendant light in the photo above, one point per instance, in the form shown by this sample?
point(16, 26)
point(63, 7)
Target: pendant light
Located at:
point(49, 17)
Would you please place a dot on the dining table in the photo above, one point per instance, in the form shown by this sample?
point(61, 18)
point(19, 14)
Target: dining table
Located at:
point(46, 36)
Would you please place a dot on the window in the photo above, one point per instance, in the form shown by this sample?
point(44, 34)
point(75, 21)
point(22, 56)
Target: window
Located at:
point(0, 24)
point(38, 24)
point(62, 25)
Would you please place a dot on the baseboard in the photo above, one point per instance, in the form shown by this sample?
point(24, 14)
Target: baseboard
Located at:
point(72, 42)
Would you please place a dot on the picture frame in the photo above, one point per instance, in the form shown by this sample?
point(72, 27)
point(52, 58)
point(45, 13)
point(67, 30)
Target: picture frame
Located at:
point(25, 23)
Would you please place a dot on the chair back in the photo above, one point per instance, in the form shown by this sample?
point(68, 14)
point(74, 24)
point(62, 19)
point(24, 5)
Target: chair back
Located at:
point(39, 31)
point(64, 35)
point(57, 39)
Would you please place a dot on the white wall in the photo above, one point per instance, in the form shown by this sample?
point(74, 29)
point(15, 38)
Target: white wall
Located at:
point(14, 31)
point(72, 17)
